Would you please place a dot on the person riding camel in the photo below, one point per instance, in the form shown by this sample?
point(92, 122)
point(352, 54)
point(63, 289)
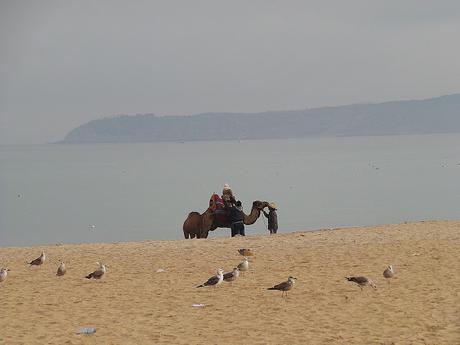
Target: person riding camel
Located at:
point(216, 203)
point(227, 196)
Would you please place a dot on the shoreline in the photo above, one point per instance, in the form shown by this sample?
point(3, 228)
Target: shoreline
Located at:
point(211, 238)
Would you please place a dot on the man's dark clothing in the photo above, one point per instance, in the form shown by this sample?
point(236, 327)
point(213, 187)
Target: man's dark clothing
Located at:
point(272, 221)
point(236, 217)
point(238, 229)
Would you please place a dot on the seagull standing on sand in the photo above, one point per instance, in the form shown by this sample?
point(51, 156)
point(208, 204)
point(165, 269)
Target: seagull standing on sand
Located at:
point(38, 261)
point(362, 281)
point(61, 269)
point(99, 273)
point(232, 276)
point(389, 273)
point(214, 280)
point(244, 265)
point(245, 252)
point(284, 286)
point(3, 274)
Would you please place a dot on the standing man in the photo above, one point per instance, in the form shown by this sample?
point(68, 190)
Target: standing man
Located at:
point(272, 218)
point(236, 219)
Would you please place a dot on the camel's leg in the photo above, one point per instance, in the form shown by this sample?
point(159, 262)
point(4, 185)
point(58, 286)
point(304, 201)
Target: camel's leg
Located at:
point(186, 234)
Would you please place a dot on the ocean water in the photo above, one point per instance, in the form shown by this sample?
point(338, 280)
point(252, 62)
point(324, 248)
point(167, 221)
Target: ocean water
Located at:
point(131, 192)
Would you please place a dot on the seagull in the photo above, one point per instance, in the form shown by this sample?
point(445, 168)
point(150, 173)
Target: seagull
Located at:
point(38, 261)
point(232, 276)
point(3, 274)
point(362, 281)
point(92, 226)
point(244, 265)
point(99, 273)
point(61, 269)
point(214, 280)
point(245, 252)
point(389, 273)
point(284, 286)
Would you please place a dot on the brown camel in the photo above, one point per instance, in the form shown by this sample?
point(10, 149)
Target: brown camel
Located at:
point(198, 225)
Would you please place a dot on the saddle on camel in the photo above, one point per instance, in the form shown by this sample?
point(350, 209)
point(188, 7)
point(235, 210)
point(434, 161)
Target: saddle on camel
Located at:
point(218, 208)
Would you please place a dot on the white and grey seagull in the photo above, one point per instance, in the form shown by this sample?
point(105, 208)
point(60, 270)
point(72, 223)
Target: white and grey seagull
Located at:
point(284, 286)
point(214, 280)
point(230, 277)
point(61, 269)
point(3, 274)
point(244, 265)
point(389, 273)
point(99, 273)
point(361, 281)
point(38, 261)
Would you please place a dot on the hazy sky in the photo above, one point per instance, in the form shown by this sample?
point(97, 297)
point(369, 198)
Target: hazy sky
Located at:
point(63, 63)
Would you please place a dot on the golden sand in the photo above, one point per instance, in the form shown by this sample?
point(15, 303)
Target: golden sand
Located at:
point(133, 304)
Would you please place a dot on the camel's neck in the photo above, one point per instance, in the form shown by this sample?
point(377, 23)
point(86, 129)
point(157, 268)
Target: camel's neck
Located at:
point(252, 217)
point(207, 219)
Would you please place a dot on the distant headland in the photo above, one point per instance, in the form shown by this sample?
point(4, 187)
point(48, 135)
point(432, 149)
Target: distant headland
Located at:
point(434, 115)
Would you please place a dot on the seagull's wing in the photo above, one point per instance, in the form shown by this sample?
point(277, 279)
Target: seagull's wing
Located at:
point(36, 261)
point(358, 280)
point(212, 281)
point(228, 275)
point(98, 273)
point(284, 286)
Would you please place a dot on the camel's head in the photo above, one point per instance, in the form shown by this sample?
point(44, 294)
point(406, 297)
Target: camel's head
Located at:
point(260, 205)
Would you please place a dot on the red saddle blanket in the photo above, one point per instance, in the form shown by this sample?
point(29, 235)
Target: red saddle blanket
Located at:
point(216, 204)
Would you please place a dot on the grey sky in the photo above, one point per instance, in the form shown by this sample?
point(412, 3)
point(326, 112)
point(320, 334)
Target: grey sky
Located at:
point(63, 63)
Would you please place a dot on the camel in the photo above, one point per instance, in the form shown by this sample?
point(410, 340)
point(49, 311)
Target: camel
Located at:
point(198, 225)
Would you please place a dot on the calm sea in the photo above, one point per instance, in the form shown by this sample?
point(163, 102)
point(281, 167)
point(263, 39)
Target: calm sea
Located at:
point(131, 192)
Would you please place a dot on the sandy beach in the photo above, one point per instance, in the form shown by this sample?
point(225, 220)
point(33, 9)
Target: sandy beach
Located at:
point(135, 304)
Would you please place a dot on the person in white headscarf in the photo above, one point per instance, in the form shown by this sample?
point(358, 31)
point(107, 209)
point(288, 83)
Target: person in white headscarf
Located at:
point(227, 196)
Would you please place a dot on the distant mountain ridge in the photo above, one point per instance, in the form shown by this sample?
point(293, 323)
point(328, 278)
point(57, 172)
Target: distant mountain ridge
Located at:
point(434, 115)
